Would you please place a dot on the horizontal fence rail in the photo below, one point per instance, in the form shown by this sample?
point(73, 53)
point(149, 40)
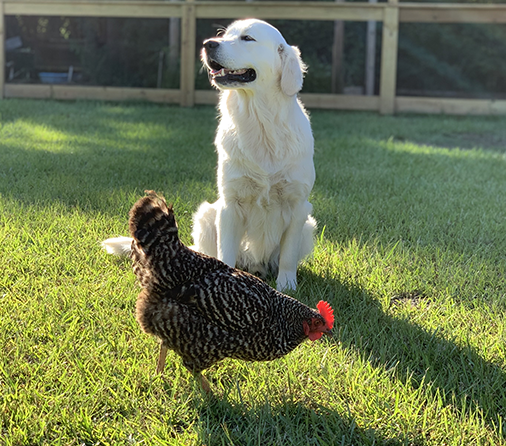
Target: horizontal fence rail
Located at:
point(391, 14)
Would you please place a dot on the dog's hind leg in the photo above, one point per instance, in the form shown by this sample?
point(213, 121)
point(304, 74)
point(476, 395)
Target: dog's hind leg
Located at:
point(307, 237)
point(230, 230)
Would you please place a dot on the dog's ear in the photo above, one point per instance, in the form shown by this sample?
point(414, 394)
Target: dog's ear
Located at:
point(292, 69)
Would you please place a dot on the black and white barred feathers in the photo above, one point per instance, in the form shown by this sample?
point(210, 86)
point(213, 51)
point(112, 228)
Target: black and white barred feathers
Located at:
point(203, 309)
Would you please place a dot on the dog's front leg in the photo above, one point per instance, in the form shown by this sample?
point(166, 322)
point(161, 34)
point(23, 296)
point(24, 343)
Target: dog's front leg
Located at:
point(287, 274)
point(230, 229)
point(290, 248)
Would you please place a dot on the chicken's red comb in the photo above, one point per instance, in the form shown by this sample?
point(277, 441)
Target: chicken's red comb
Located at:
point(327, 312)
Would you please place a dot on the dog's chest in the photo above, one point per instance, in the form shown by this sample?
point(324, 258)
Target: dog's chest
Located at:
point(265, 191)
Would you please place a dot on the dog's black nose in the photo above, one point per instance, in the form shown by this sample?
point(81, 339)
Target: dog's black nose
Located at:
point(211, 44)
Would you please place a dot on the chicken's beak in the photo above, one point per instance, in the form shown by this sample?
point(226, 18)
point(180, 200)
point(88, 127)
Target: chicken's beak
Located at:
point(329, 333)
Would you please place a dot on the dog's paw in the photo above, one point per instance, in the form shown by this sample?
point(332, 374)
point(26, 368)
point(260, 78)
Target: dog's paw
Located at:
point(287, 280)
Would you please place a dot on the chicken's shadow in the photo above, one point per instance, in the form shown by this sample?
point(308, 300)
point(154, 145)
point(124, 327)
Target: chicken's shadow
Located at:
point(221, 421)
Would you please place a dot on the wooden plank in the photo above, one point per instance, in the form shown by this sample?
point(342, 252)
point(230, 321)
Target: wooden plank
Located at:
point(409, 12)
point(291, 10)
point(206, 97)
point(310, 100)
point(188, 44)
point(498, 107)
point(2, 50)
point(452, 13)
point(219, 9)
point(388, 78)
point(210, 97)
point(72, 92)
point(94, 9)
point(340, 101)
point(450, 106)
point(27, 91)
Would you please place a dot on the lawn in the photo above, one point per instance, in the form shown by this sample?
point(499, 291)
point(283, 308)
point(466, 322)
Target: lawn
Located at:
point(410, 251)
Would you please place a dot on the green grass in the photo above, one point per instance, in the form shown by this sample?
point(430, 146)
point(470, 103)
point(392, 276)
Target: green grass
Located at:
point(411, 253)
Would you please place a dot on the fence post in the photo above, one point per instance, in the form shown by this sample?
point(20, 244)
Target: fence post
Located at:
point(188, 42)
point(389, 45)
point(2, 51)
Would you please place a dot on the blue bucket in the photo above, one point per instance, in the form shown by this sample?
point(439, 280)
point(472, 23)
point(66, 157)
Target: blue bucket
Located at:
point(53, 78)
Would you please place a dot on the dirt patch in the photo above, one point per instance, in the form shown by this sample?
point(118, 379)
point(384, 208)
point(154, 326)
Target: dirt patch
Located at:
point(412, 298)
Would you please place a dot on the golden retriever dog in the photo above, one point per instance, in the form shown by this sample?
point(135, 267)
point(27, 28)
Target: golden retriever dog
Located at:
point(262, 219)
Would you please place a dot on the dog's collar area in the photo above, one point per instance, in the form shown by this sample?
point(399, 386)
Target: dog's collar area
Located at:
point(224, 75)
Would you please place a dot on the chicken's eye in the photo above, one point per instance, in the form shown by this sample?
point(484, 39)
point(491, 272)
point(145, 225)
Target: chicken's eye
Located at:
point(248, 38)
point(317, 324)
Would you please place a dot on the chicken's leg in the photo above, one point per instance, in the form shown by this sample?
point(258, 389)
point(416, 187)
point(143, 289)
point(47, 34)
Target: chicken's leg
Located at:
point(206, 387)
point(161, 359)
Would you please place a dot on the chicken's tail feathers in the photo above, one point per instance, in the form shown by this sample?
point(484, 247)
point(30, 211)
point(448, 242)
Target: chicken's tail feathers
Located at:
point(152, 221)
point(119, 246)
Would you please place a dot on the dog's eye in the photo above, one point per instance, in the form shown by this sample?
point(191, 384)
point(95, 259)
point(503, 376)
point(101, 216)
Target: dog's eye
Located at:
point(248, 38)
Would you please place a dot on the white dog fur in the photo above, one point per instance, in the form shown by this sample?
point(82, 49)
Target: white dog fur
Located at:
point(262, 219)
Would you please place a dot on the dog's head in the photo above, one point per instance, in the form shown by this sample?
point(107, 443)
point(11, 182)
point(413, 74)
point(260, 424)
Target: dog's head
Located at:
point(253, 55)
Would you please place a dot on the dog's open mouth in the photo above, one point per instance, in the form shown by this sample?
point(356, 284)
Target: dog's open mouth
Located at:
point(223, 75)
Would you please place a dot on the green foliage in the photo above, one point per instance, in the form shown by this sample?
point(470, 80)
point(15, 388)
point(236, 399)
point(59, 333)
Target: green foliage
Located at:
point(131, 55)
point(466, 58)
point(410, 253)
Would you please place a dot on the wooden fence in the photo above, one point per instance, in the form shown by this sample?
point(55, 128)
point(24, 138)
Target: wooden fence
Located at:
point(391, 14)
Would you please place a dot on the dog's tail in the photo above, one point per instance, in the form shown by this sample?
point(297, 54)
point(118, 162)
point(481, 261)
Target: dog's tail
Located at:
point(119, 246)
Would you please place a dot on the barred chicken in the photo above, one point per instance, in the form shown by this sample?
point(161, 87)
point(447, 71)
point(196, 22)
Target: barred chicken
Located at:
point(205, 310)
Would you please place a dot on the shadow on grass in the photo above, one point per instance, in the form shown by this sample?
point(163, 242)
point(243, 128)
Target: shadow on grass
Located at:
point(287, 423)
point(459, 376)
point(389, 190)
point(78, 155)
